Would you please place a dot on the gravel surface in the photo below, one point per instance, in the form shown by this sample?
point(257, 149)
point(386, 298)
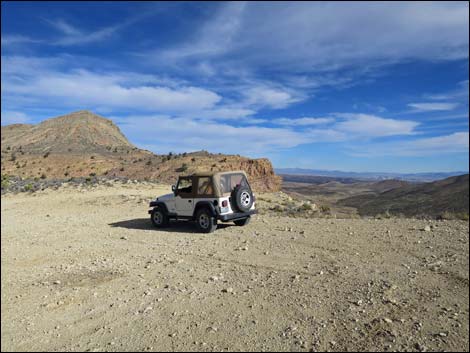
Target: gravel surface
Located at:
point(83, 269)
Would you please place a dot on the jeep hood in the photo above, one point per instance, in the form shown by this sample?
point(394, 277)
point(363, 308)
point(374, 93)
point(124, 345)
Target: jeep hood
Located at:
point(165, 197)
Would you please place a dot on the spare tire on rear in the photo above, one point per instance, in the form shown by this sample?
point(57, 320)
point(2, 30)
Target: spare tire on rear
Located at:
point(242, 198)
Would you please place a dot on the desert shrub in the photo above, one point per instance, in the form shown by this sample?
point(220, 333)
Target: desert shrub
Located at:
point(325, 209)
point(277, 208)
point(92, 157)
point(92, 174)
point(183, 168)
point(66, 174)
point(5, 181)
point(8, 148)
point(43, 176)
point(121, 169)
point(46, 154)
point(184, 154)
point(306, 207)
point(214, 165)
point(28, 187)
point(193, 159)
point(463, 216)
point(447, 215)
point(13, 157)
point(149, 162)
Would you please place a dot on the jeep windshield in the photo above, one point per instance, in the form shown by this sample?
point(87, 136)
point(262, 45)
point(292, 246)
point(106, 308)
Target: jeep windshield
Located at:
point(228, 182)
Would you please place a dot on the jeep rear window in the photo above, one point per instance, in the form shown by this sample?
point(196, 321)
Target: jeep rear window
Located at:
point(229, 181)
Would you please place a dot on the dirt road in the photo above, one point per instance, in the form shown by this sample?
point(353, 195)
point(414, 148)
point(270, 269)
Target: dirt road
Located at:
point(85, 270)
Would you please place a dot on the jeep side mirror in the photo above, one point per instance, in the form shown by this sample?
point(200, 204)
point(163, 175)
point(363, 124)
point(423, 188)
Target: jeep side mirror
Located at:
point(173, 188)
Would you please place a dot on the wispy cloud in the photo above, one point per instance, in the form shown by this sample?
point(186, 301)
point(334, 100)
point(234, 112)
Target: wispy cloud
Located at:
point(302, 121)
point(72, 35)
point(14, 117)
point(10, 40)
point(432, 106)
point(303, 37)
point(164, 133)
point(364, 125)
point(457, 142)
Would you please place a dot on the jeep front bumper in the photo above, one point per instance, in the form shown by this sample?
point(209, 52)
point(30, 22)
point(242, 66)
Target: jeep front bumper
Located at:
point(235, 215)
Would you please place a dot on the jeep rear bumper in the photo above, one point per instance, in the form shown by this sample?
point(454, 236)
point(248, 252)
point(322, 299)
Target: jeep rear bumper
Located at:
point(235, 215)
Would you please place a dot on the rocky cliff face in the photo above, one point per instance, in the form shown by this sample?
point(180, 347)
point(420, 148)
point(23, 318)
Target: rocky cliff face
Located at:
point(83, 144)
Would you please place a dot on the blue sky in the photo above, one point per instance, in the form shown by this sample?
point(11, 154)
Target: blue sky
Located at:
point(346, 86)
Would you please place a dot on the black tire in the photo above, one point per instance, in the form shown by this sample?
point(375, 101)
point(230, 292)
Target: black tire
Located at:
point(242, 222)
point(242, 198)
point(159, 218)
point(205, 221)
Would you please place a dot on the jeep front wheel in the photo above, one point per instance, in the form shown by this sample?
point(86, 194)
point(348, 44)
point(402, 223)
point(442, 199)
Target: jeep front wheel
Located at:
point(205, 221)
point(159, 218)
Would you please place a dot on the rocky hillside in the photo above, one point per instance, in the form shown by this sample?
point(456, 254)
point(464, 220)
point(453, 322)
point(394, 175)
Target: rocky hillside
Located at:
point(448, 196)
point(79, 132)
point(83, 144)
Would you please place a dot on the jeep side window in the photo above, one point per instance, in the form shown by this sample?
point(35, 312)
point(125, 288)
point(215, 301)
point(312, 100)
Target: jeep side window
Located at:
point(230, 181)
point(204, 186)
point(185, 186)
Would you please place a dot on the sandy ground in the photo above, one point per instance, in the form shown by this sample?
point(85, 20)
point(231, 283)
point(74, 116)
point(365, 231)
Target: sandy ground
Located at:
point(85, 270)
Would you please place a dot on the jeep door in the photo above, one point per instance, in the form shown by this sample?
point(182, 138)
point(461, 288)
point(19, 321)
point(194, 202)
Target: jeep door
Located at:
point(184, 197)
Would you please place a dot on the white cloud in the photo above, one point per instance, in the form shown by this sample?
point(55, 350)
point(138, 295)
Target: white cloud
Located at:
point(430, 107)
point(8, 40)
point(364, 125)
point(269, 97)
point(302, 121)
point(457, 142)
point(163, 133)
point(35, 81)
point(14, 117)
point(459, 94)
point(307, 36)
point(215, 37)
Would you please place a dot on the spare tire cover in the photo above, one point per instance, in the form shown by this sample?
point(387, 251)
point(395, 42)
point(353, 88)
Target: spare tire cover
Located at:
point(243, 198)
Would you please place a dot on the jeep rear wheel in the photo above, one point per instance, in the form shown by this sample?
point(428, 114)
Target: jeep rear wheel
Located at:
point(242, 222)
point(205, 221)
point(159, 218)
point(243, 198)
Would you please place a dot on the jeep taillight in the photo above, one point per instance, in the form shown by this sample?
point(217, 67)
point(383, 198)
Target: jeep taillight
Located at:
point(224, 203)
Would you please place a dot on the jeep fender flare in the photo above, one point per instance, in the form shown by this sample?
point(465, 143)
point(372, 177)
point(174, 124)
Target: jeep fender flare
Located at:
point(205, 204)
point(159, 204)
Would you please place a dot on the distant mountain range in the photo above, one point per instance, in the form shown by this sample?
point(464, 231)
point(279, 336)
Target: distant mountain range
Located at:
point(424, 199)
point(416, 177)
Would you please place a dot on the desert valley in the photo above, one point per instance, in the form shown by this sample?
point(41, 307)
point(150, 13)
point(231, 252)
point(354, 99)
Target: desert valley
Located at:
point(326, 265)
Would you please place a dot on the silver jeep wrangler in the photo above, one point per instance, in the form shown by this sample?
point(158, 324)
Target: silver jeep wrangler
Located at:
point(206, 198)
